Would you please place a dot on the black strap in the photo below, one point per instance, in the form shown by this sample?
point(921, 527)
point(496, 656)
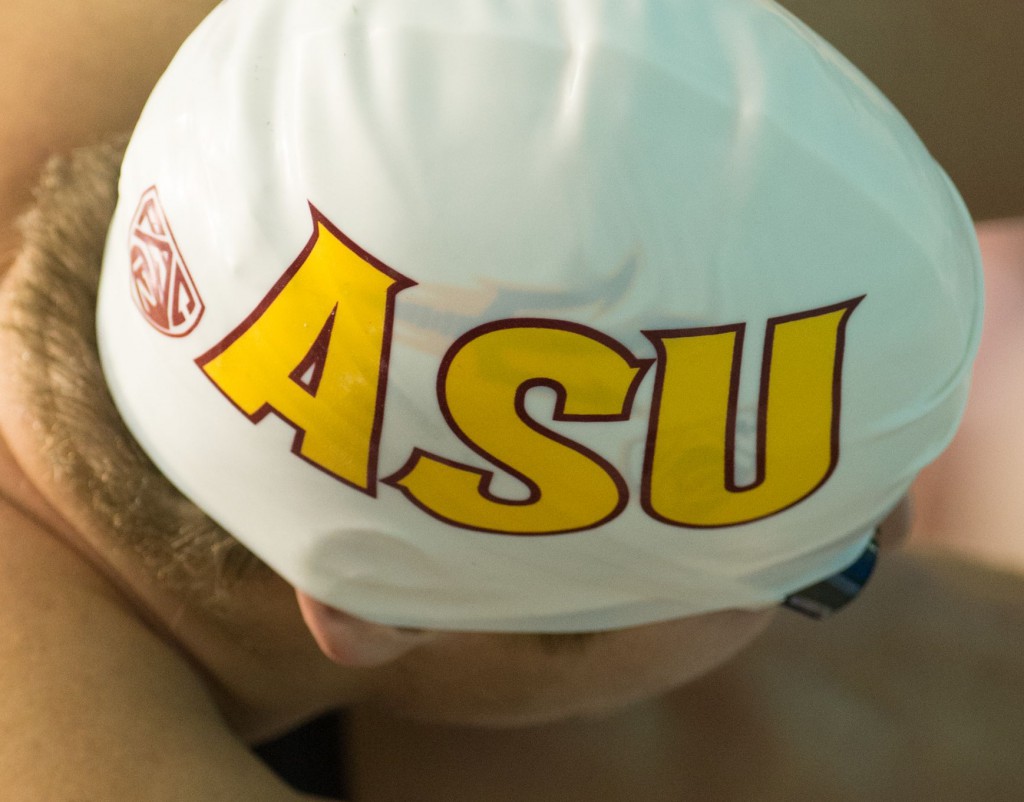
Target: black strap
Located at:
point(830, 595)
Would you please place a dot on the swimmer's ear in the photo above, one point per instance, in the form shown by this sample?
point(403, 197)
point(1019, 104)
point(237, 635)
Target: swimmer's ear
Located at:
point(355, 642)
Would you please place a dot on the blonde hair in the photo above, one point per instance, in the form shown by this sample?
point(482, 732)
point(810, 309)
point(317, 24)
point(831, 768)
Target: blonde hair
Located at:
point(49, 321)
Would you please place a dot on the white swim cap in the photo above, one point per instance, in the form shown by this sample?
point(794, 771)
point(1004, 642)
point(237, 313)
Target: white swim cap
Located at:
point(546, 315)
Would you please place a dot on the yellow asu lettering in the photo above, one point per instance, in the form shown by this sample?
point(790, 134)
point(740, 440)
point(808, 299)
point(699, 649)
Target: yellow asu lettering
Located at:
point(690, 461)
point(482, 388)
point(315, 352)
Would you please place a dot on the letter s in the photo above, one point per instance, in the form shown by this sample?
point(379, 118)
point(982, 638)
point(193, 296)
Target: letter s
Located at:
point(482, 389)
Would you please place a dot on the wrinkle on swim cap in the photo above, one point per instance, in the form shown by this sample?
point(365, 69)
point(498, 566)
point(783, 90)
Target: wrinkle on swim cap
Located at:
point(549, 315)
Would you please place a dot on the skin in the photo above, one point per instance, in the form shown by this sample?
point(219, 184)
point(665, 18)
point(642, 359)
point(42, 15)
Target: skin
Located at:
point(911, 694)
point(969, 498)
point(93, 652)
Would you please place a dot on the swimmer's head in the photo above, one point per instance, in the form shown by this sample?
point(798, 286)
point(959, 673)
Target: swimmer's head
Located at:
point(535, 317)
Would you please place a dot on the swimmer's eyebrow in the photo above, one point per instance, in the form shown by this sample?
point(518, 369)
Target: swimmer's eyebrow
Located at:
point(553, 642)
point(550, 642)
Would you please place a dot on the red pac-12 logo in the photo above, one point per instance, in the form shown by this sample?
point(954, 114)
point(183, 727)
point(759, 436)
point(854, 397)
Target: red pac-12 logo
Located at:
point(162, 287)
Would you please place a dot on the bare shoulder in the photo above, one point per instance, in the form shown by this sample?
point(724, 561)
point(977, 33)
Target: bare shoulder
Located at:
point(74, 72)
point(85, 679)
point(913, 693)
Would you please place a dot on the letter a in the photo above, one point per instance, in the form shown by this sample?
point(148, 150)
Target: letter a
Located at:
point(315, 353)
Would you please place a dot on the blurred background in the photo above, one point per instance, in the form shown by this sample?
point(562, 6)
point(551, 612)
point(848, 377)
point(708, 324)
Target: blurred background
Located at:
point(972, 498)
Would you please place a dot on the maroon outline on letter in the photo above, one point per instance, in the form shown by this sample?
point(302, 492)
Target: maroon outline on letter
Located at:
point(316, 358)
point(656, 338)
point(483, 487)
point(320, 347)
